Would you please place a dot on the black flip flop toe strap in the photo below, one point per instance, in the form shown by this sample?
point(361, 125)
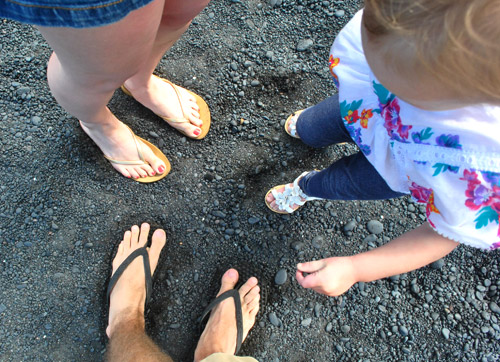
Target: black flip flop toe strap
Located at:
point(239, 314)
point(147, 271)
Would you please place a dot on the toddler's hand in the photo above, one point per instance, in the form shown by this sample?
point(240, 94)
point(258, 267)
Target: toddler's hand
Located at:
point(332, 276)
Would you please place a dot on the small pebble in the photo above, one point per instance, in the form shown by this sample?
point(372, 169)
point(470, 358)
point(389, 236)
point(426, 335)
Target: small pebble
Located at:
point(306, 322)
point(375, 227)
point(304, 44)
point(274, 319)
point(438, 264)
point(280, 277)
point(446, 333)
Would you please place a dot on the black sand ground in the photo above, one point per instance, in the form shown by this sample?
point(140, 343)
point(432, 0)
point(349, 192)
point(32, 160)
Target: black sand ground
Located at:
point(63, 209)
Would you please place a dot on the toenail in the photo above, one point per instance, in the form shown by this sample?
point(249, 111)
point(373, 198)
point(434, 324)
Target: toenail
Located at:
point(197, 132)
point(153, 173)
point(161, 169)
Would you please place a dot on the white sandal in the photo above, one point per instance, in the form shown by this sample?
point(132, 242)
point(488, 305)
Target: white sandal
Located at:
point(291, 123)
point(291, 195)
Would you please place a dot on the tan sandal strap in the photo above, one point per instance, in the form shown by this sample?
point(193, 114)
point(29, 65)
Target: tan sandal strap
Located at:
point(179, 99)
point(118, 162)
point(139, 152)
point(175, 120)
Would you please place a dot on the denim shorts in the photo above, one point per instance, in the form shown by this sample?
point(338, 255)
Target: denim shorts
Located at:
point(69, 13)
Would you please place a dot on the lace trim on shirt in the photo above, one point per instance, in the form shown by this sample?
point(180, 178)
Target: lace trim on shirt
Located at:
point(451, 156)
point(461, 241)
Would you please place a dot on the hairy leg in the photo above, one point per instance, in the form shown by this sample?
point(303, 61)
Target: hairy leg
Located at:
point(152, 92)
point(127, 339)
point(130, 343)
point(89, 64)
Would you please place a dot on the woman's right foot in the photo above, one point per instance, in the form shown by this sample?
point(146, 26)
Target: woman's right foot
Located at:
point(117, 142)
point(220, 332)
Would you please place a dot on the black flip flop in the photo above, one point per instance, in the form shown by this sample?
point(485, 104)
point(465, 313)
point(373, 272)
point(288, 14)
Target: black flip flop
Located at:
point(147, 271)
point(239, 314)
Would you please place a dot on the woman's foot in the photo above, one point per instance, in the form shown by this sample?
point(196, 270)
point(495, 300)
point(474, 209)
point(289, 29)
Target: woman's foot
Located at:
point(126, 302)
point(220, 332)
point(117, 142)
point(161, 98)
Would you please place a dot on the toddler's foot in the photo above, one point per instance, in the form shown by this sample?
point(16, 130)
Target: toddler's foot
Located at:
point(220, 332)
point(161, 98)
point(285, 199)
point(291, 122)
point(117, 142)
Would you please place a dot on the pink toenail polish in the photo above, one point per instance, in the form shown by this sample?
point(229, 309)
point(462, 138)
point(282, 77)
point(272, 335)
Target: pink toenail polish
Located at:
point(197, 132)
point(161, 169)
point(153, 173)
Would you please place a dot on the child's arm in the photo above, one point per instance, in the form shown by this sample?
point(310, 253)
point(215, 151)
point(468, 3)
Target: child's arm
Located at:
point(412, 250)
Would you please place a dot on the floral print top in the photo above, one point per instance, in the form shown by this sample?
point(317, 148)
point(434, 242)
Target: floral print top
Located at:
point(448, 161)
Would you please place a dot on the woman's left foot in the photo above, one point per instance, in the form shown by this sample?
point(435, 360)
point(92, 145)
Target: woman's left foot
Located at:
point(161, 98)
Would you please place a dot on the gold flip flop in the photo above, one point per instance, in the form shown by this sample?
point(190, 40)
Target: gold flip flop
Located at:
point(142, 161)
point(204, 111)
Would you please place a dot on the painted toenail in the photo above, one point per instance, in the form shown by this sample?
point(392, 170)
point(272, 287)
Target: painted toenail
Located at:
point(161, 169)
point(153, 173)
point(197, 132)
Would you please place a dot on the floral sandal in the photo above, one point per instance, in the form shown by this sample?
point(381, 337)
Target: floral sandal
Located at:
point(291, 195)
point(291, 123)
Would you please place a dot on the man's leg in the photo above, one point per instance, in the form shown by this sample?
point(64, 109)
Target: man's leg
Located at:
point(127, 338)
point(219, 336)
point(151, 92)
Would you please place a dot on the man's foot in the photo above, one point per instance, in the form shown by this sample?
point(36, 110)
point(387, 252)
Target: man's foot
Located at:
point(161, 98)
point(129, 294)
point(220, 332)
point(117, 142)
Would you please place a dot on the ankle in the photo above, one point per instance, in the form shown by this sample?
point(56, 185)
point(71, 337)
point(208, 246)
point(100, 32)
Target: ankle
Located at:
point(126, 321)
point(106, 127)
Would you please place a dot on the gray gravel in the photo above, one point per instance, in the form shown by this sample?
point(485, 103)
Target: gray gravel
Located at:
point(63, 209)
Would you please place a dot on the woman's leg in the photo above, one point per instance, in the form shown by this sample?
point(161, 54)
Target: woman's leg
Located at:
point(152, 92)
point(89, 64)
point(322, 125)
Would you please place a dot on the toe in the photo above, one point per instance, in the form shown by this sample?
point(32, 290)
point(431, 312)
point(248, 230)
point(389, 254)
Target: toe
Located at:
point(133, 173)
point(155, 165)
point(141, 172)
point(126, 240)
point(249, 285)
point(253, 305)
point(134, 239)
point(269, 197)
point(143, 237)
point(148, 170)
point(229, 280)
point(194, 119)
point(124, 172)
point(158, 241)
point(189, 129)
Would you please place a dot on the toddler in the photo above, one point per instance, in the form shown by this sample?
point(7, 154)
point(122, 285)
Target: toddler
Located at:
point(419, 93)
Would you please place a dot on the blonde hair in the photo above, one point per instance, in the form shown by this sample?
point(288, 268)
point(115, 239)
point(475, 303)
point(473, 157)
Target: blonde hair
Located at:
point(457, 42)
